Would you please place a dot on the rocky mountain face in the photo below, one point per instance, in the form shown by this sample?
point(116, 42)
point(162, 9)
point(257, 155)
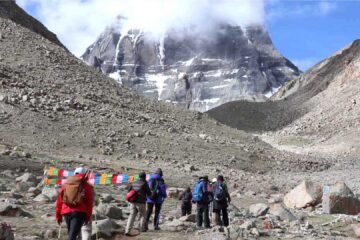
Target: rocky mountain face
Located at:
point(198, 71)
point(321, 107)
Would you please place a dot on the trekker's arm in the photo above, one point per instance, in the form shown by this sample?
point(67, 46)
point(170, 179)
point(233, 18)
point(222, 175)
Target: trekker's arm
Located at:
point(226, 192)
point(89, 201)
point(164, 191)
point(58, 207)
point(147, 189)
point(181, 196)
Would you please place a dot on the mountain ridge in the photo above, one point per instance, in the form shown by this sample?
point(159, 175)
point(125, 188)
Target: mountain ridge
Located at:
point(234, 63)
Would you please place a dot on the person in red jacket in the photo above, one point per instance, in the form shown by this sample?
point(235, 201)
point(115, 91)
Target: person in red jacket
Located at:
point(78, 215)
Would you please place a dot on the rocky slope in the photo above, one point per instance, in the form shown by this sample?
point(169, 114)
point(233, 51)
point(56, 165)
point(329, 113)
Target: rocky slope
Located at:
point(199, 71)
point(320, 107)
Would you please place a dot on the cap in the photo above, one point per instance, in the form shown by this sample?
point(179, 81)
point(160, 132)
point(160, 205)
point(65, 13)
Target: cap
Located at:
point(220, 178)
point(142, 175)
point(80, 170)
point(159, 171)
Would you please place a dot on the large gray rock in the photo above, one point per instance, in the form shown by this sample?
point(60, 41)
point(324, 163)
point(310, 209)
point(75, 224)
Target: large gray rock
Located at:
point(339, 198)
point(258, 209)
point(11, 210)
point(304, 195)
point(175, 226)
point(282, 212)
point(109, 211)
point(105, 228)
point(50, 192)
point(239, 63)
point(42, 198)
point(188, 218)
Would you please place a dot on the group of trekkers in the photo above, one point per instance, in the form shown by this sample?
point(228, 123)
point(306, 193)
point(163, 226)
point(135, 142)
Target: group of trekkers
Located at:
point(208, 196)
point(76, 199)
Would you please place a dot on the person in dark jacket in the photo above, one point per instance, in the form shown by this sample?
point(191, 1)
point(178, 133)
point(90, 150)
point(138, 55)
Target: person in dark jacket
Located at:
point(156, 198)
point(186, 205)
point(221, 200)
point(139, 205)
point(202, 207)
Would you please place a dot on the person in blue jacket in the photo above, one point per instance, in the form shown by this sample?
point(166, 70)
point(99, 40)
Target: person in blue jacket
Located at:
point(157, 197)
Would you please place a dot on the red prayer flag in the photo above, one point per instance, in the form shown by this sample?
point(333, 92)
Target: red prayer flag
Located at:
point(61, 173)
point(58, 181)
point(114, 178)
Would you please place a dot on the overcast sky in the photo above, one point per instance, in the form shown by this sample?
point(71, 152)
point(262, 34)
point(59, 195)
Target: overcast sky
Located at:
point(305, 31)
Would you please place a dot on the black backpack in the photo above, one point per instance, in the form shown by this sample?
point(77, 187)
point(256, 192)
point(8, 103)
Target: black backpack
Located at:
point(219, 194)
point(154, 189)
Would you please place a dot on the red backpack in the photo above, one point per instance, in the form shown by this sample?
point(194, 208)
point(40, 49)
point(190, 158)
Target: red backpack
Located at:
point(131, 196)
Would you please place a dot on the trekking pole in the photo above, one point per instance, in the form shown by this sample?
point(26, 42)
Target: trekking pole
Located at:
point(59, 235)
point(97, 232)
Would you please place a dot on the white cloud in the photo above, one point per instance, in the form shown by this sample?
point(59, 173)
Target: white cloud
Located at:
point(305, 64)
point(78, 22)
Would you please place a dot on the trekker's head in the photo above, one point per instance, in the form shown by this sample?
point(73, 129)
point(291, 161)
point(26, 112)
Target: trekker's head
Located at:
point(188, 189)
point(142, 176)
point(80, 170)
point(205, 178)
point(214, 180)
point(159, 171)
point(220, 178)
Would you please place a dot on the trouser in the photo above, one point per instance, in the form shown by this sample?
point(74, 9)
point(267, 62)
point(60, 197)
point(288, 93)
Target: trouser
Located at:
point(74, 222)
point(186, 208)
point(86, 231)
point(136, 208)
point(224, 221)
point(202, 215)
point(150, 207)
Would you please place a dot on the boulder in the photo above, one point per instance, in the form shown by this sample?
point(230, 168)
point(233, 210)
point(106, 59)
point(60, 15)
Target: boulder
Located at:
point(23, 186)
point(107, 210)
point(42, 198)
point(258, 209)
point(188, 218)
point(105, 228)
point(107, 198)
point(281, 211)
point(174, 226)
point(11, 210)
point(248, 225)
point(6, 232)
point(51, 193)
point(339, 198)
point(304, 195)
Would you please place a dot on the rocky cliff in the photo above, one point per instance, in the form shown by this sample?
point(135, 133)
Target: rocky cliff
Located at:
point(199, 71)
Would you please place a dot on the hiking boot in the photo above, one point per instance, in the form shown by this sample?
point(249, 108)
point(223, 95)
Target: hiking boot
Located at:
point(157, 228)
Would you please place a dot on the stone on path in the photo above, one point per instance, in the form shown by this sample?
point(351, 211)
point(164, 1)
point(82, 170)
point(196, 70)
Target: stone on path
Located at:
point(105, 228)
point(304, 195)
point(339, 198)
point(281, 211)
point(188, 218)
point(258, 209)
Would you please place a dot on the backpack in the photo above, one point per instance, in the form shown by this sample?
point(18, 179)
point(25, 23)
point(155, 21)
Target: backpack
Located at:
point(131, 196)
point(154, 189)
point(73, 193)
point(219, 194)
point(197, 193)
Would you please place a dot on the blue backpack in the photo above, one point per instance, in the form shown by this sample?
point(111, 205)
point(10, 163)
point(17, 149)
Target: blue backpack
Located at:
point(219, 194)
point(197, 193)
